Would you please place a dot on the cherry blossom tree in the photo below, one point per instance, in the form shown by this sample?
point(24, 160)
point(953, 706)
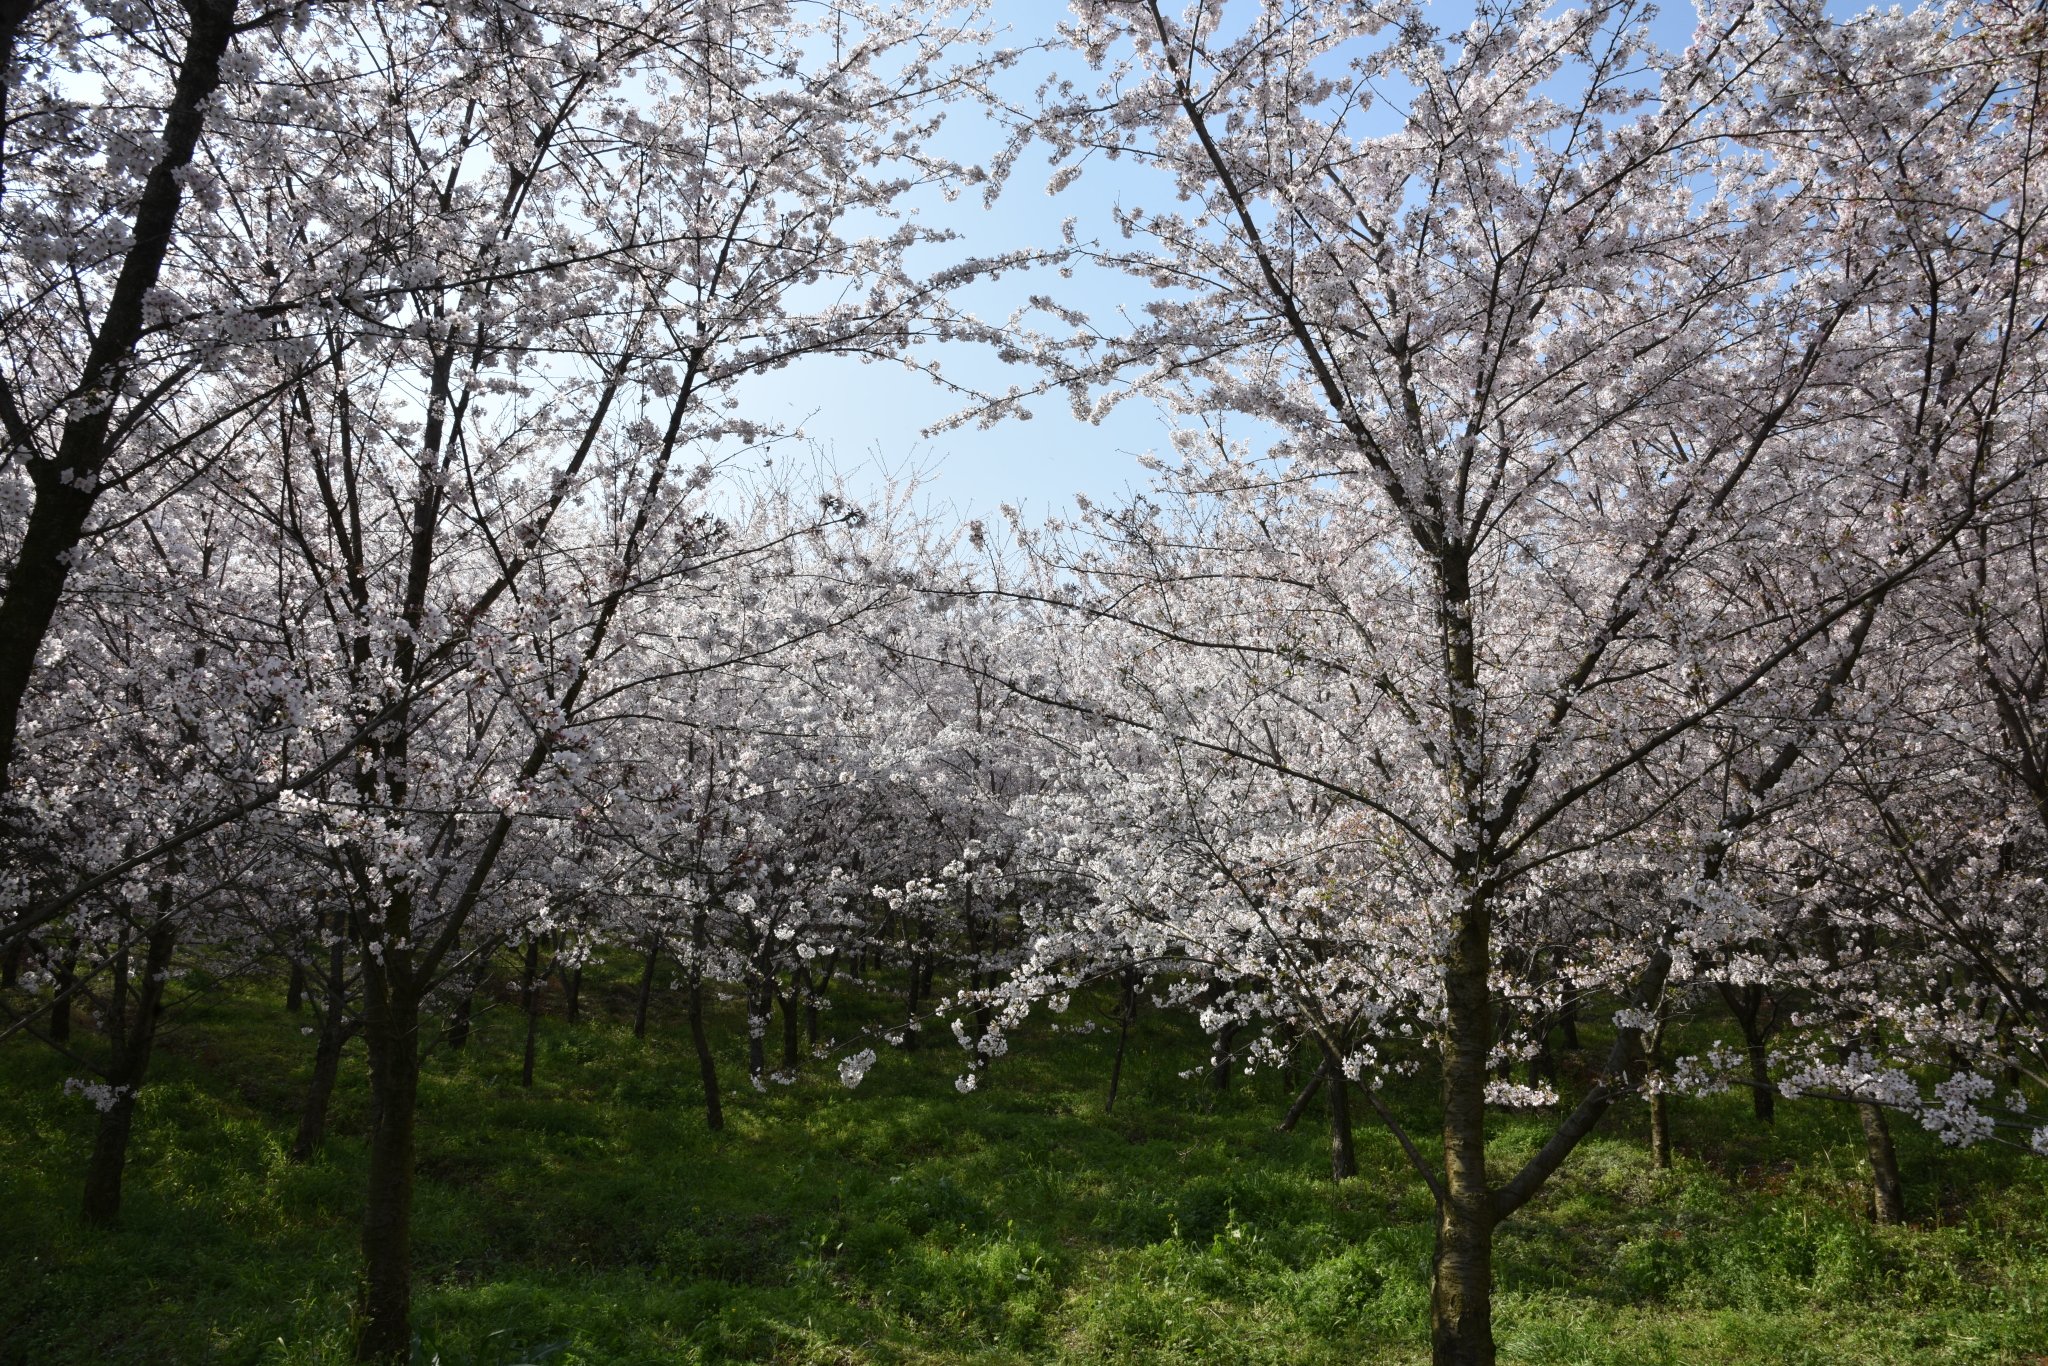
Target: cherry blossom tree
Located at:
point(1530, 431)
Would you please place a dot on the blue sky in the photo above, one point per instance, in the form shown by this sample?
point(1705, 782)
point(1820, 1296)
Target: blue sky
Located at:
point(868, 420)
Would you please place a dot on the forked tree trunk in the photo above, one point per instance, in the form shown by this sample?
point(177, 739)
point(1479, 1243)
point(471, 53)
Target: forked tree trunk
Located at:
point(131, 1039)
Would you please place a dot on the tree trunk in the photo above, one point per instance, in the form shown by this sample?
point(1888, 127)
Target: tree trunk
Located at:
point(1461, 1296)
point(790, 1049)
point(916, 998)
point(65, 485)
point(60, 1007)
point(1887, 1195)
point(1763, 1094)
point(1660, 1105)
point(572, 991)
point(334, 1034)
point(319, 1092)
point(462, 1021)
point(295, 988)
point(384, 1332)
point(109, 1160)
point(1302, 1099)
point(1343, 1156)
point(1660, 1131)
point(1127, 1011)
point(646, 996)
point(1220, 1059)
point(707, 1067)
point(132, 1039)
point(1746, 1004)
point(529, 1001)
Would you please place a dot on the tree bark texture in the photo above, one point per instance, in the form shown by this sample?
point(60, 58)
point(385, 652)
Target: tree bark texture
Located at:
point(384, 1327)
point(131, 1038)
point(66, 484)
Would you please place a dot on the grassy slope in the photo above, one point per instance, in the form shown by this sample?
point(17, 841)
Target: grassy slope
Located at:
point(594, 1220)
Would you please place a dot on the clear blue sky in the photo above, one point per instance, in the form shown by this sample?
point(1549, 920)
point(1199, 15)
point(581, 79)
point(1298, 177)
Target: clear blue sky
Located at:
point(868, 419)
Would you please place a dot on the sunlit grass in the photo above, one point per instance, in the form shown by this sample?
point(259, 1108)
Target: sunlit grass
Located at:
point(595, 1220)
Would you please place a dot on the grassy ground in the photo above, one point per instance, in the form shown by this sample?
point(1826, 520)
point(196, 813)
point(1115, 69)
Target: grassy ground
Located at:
point(594, 1220)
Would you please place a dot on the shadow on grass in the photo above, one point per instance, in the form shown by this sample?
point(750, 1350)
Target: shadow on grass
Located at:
point(594, 1219)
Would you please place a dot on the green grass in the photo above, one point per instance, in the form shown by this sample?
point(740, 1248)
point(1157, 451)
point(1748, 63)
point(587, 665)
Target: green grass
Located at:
point(595, 1220)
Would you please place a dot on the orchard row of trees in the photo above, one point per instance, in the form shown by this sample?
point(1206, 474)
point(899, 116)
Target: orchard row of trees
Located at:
point(1595, 580)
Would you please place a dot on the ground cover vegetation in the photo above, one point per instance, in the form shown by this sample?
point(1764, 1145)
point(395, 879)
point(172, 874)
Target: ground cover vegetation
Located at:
point(594, 1218)
point(1579, 666)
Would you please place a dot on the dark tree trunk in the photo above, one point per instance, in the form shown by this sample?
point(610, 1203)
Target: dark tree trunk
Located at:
point(1568, 1022)
point(1343, 1156)
point(65, 483)
point(334, 1035)
point(1887, 1194)
point(790, 1048)
point(1461, 1296)
point(295, 988)
point(572, 994)
point(1763, 1094)
point(109, 1160)
point(1220, 1060)
point(646, 996)
point(131, 1038)
point(463, 1020)
point(319, 1092)
point(529, 1001)
point(707, 1067)
point(60, 1007)
point(1748, 1005)
point(813, 993)
point(1302, 1100)
point(1127, 1011)
point(391, 1030)
point(1660, 1104)
point(917, 985)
